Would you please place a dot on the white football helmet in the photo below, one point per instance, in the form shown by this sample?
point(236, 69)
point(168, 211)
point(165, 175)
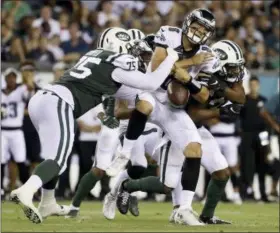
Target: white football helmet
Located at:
point(231, 59)
point(203, 17)
point(142, 50)
point(114, 39)
point(136, 34)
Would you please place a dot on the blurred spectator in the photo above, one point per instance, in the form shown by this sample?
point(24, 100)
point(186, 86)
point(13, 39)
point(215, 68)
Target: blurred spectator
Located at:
point(42, 53)
point(150, 18)
point(274, 11)
point(58, 70)
point(48, 25)
point(106, 13)
point(76, 46)
point(64, 26)
point(32, 39)
point(11, 46)
point(273, 47)
point(16, 9)
point(54, 47)
point(264, 25)
point(249, 29)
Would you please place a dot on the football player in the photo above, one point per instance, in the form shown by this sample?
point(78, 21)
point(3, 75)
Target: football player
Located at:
point(109, 140)
point(226, 101)
point(190, 42)
point(212, 158)
point(81, 88)
point(13, 101)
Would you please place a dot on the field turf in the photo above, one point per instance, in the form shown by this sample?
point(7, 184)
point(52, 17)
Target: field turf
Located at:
point(249, 217)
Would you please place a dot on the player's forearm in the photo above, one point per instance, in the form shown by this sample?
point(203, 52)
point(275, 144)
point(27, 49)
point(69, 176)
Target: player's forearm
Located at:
point(184, 63)
point(235, 96)
point(123, 113)
point(202, 96)
point(198, 115)
point(158, 57)
point(149, 81)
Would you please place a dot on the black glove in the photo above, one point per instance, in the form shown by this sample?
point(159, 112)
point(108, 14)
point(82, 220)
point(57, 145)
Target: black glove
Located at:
point(110, 122)
point(215, 84)
point(109, 107)
point(230, 111)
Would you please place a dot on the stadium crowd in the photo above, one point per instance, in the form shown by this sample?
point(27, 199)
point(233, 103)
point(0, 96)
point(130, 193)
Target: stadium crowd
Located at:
point(57, 33)
point(54, 30)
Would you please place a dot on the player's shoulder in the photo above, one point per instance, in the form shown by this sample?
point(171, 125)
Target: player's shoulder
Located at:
point(123, 61)
point(168, 36)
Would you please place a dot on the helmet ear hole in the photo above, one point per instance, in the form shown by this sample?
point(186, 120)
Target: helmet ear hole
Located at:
point(121, 49)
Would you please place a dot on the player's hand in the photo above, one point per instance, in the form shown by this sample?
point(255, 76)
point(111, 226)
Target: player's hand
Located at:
point(230, 111)
point(181, 75)
point(216, 85)
point(110, 122)
point(172, 53)
point(109, 105)
point(201, 58)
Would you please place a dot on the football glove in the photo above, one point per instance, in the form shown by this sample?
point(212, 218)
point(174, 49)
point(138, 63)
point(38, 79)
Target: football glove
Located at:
point(109, 118)
point(110, 122)
point(230, 111)
point(109, 105)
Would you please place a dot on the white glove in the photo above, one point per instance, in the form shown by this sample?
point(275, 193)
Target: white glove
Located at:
point(173, 54)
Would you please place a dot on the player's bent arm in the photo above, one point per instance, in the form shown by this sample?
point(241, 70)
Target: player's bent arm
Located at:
point(198, 91)
point(202, 96)
point(199, 114)
point(158, 57)
point(148, 81)
point(236, 94)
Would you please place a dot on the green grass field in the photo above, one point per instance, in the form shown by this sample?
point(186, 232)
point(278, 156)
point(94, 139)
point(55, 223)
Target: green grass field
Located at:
point(153, 218)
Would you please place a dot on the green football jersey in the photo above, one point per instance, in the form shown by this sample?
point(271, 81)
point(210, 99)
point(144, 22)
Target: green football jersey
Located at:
point(91, 78)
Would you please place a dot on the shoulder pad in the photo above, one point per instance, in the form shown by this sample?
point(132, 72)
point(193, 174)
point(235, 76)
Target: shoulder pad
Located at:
point(168, 37)
point(125, 62)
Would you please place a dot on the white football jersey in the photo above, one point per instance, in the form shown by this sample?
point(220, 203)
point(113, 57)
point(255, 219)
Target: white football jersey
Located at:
point(13, 105)
point(172, 37)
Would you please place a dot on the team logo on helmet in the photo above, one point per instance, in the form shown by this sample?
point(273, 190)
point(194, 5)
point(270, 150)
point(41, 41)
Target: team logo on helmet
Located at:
point(222, 54)
point(123, 36)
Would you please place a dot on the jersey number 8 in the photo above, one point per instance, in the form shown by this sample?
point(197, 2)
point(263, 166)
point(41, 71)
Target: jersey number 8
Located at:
point(81, 66)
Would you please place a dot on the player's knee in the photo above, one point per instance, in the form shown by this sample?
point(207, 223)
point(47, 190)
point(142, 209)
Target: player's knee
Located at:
point(135, 172)
point(144, 107)
point(193, 150)
point(167, 189)
point(98, 172)
point(223, 174)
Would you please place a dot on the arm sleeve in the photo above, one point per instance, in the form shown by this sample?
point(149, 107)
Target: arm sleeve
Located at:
point(149, 81)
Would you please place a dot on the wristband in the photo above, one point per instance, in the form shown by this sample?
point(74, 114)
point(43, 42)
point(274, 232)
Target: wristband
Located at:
point(193, 86)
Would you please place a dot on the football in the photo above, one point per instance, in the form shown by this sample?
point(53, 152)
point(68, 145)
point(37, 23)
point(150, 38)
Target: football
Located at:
point(177, 94)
